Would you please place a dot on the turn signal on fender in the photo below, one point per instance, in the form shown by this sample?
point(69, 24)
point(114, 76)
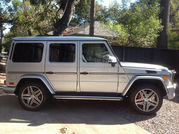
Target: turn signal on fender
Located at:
point(165, 77)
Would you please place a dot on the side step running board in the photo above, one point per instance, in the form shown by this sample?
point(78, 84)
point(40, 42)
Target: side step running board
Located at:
point(88, 97)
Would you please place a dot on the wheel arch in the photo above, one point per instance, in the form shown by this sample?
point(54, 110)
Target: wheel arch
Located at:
point(155, 80)
point(34, 78)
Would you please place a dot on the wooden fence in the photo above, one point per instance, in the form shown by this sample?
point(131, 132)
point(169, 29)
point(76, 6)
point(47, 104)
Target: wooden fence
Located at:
point(165, 57)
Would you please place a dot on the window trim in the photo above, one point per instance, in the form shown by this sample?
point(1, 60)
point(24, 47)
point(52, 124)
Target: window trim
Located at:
point(11, 51)
point(55, 62)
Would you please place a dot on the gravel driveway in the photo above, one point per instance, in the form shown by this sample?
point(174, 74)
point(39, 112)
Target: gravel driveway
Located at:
point(166, 121)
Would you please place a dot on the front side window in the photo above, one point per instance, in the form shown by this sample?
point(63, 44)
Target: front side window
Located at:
point(95, 52)
point(62, 52)
point(28, 52)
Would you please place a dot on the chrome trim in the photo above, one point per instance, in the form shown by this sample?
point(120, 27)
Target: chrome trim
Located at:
point(143, 77)
point(42, 78)
point(171, 91)
point(88, 97)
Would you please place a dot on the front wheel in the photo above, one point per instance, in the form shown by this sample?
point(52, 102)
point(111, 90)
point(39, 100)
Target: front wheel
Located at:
point(146, 99)
point(32, 96)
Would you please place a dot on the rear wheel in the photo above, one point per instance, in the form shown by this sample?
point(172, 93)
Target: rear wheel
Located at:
point(33, 96)
point(146, 99)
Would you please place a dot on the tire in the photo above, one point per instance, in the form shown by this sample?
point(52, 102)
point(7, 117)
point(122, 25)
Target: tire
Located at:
point(146, 99)
point(33, 96)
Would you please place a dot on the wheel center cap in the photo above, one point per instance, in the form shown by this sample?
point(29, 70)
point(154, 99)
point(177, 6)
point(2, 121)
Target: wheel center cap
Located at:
point(32, 96)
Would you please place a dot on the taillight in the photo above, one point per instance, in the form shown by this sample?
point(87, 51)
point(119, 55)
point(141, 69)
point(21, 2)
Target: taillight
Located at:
point(11, 83)
point(4, 82)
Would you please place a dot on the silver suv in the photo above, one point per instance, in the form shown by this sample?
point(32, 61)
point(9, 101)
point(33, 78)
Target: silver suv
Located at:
point(85, 68)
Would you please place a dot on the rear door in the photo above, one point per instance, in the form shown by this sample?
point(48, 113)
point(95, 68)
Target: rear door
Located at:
point(61, 65)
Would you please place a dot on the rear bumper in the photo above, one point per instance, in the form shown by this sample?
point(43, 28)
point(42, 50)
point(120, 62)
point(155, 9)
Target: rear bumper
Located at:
point(8, 89)
point(171, 91)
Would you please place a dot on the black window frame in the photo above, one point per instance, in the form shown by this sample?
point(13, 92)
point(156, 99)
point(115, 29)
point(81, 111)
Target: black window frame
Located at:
point(62, 43)
point(26, 43)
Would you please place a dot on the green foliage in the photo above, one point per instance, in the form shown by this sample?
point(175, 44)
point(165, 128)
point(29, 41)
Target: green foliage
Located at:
point(7, 41)
point(33, 19)
point(137, 26)
point(174, 13)
point(82, 12)
point(173, 40)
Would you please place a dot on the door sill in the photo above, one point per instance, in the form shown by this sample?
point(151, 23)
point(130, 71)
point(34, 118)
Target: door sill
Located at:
point(77, 97)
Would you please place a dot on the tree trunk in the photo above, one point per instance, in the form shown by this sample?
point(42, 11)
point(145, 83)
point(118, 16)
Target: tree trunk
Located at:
point(1, 28)
point(92, 17)
point(164, 16)
point(63, 23)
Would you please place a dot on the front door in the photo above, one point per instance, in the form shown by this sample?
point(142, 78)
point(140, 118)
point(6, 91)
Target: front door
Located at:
point(96, 74)
point(61, 65)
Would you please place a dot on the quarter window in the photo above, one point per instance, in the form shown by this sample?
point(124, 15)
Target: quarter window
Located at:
point(95, 53)
point(62, 52)
point(28, 52)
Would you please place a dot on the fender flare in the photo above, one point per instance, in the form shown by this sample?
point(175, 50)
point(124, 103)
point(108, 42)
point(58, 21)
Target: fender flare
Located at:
point(132, 81)
point(40, 77)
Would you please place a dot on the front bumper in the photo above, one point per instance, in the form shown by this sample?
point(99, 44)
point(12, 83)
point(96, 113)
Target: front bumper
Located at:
point(171, 91)
point(8, 89)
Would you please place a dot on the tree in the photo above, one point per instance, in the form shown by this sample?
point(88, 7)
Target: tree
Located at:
point(92, 17)
point(37, 17)
point(33, 18)
point(164, 15)
point(68, 8)
point(137, 26)
point(82, 12)
point(5, 17)
point(174, 25)
point(174, 14)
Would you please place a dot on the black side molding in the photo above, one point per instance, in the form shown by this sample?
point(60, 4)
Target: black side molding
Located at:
point(85, 73)
point(50, 72)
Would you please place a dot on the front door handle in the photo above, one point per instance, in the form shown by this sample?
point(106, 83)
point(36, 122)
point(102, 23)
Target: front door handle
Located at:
point(85, 73)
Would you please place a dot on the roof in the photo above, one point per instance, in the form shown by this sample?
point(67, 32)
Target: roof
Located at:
point(57, 38)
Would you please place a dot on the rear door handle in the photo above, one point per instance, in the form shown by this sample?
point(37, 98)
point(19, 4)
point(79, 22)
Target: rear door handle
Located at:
point(85, 73)
point(50, 72)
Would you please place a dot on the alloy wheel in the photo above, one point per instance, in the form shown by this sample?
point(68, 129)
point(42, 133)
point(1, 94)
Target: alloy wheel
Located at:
point(32, 96)
point(146, 100)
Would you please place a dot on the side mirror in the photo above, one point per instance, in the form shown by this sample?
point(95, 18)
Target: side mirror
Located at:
point(112, 60)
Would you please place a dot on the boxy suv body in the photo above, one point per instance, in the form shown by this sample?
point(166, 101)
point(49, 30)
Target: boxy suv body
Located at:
point(40, 68)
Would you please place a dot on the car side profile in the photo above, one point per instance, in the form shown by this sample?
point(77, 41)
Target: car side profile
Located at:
point(86, 68)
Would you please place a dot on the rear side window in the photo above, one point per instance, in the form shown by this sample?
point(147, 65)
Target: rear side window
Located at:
point(28, 52)
point(62, 52)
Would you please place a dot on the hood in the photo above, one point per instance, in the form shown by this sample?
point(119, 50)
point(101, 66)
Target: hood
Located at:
point(143, 66)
